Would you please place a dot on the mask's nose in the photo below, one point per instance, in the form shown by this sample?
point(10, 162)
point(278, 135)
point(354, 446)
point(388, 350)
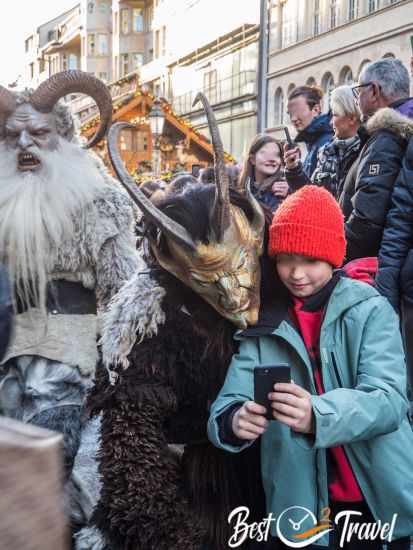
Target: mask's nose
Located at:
point(25, 140)
point(231, 295)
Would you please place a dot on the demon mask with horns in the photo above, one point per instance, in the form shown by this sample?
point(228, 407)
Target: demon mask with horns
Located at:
point(219, 261)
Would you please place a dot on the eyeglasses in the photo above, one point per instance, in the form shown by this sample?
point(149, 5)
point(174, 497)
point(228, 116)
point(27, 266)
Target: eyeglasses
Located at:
point(356, 89)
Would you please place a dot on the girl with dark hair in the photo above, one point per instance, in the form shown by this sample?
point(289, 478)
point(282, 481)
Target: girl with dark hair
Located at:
point(264, 166)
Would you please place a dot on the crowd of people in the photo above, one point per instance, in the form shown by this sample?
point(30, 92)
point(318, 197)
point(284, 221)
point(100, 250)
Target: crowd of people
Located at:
point(300, 257)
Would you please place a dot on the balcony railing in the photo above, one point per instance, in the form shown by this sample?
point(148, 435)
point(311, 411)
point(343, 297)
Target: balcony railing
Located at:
point(227, 89)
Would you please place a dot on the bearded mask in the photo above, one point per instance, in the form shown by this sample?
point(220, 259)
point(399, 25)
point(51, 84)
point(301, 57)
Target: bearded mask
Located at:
point(222, 264)
point(45, 178)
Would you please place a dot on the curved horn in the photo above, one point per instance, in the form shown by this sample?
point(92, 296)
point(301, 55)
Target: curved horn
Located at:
point(7, 101)
point(70, 82)
point(258, 221)
point(221, 214)
point(169, 227)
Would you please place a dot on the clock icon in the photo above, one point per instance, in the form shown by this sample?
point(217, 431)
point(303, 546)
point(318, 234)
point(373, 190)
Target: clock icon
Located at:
point(293, 524)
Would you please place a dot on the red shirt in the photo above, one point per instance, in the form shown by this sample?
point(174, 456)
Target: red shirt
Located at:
point(343, 485)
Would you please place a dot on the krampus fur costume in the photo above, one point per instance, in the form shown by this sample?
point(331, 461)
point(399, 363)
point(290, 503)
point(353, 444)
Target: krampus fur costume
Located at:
point(167, 340)
point(66, 239)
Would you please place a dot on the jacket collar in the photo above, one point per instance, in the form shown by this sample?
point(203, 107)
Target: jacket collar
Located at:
point(339, 295)
point(392, 121)
point(319, 126)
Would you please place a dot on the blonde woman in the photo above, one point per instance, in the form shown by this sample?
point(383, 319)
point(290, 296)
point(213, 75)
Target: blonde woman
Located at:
point(336, 157)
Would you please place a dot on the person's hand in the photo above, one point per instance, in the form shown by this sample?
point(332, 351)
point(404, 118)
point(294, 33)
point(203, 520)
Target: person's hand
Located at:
point(280, 188)
point(291, 405)
point(291, 156)
point(249, 421)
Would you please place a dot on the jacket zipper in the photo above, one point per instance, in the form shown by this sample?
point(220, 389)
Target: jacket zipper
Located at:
point(336, 371)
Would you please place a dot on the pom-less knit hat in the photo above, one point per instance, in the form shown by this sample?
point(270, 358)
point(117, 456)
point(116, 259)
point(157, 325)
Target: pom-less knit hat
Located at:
point(309, 223)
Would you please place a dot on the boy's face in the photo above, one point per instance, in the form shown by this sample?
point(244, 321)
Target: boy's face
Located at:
point(303, 276)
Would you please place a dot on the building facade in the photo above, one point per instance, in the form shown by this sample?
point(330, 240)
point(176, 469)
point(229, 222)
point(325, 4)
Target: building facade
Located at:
point(177, 47)
point(328, 42)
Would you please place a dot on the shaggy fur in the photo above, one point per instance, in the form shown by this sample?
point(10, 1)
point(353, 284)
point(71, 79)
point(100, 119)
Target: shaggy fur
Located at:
point(391, 120)
point(65, 420)
point(152, 499)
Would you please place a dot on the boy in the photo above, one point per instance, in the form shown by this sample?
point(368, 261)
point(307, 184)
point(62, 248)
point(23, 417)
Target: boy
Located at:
point(342, 438)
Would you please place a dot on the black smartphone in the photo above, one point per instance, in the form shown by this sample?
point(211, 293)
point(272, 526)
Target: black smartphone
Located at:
point(265, 376)
point(290, 142)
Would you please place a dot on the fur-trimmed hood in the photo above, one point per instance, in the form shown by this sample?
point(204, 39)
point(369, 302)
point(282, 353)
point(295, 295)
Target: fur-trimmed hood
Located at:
point(391, 120)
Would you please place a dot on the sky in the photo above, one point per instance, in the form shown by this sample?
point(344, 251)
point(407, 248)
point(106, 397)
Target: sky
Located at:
point(19, 18)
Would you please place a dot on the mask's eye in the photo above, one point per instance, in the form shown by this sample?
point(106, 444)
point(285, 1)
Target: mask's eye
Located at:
point(12, 133)
point(41, 132)
point(199, 280)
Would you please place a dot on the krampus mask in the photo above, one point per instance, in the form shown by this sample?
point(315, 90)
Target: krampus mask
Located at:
point(222, 268)
point(29, 119)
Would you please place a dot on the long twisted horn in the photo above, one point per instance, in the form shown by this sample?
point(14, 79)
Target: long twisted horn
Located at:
point(70, 82)
point(221, 213)
point(7, 101)
point(168, 226)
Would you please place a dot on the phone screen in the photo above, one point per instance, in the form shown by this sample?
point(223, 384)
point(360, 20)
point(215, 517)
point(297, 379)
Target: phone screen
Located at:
point(265, 377)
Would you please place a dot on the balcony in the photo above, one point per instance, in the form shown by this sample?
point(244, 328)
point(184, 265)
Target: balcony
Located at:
point(227, 89)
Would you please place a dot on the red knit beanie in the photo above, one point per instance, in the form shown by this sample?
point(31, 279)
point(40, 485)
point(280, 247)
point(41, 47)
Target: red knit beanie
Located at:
point(309, 223)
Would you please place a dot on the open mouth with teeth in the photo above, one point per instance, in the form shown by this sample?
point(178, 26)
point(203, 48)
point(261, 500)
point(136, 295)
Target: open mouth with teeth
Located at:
point(27, 161)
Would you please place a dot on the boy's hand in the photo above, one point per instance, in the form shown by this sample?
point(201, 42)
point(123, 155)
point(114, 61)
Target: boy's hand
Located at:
point(291, 157)
point(292, 406)
point(249, 421)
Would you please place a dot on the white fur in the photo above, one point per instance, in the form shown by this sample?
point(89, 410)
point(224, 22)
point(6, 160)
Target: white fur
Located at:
point(39, 211)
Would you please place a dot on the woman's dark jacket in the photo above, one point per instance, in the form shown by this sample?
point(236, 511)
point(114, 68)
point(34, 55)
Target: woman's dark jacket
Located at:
point(333, 163)
point(6, 311)
point(395, 276)
point(317, 134)
point(368, 187)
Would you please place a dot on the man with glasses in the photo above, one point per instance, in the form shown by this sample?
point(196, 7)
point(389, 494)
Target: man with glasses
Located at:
point(383, 97)
point(369, 184)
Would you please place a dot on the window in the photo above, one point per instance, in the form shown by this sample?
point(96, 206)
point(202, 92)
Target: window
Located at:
point(103, 7)
point(279, 107)
point(327, 84)
point(31, 71)
point(163, 40)
point(156, 44)
point(353, 9)
point(90, 7)
point(316, 21)
point(210, 85)
point(373, 5)
point(103, 76)
point(389, 56)
point(116, 23)
point(124, 20)
point(289, 24)
point(72, 61)
point(311, 81)
point(333, 14)
point(137, 60)
point(91, 44)
point(137, 20)
point(116, 69)
point(64, 62)
point(103, 48)
point(346, 76)
point(124, 59)
point(51, 35)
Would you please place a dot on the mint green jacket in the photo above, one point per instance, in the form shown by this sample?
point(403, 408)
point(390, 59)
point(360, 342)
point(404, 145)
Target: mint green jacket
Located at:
point(364, 408)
